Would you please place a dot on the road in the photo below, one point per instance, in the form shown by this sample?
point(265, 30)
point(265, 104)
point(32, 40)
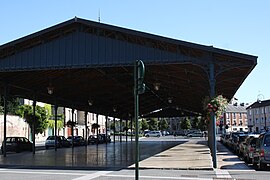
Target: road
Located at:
point(238, 171)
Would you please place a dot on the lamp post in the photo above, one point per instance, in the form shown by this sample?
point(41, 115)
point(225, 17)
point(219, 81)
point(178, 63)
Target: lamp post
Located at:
point(265, 128)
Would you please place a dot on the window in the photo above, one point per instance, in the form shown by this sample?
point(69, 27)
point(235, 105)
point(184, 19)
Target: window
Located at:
point(250, 111)
point(262, 110)
point(240, 115)
point(233, 115)
point(257, 111)
point(227, 114)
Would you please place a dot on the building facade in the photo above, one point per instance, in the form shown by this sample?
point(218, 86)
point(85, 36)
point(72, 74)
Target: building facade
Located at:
point(258, 115)
point(235, 118)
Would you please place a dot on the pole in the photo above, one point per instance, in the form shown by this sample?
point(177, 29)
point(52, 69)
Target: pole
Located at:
point(55, 127)
point(136, 112)
point(33, 126)
point(5, 122)
point(213, 118)
point(85, 123)
point(72, 128)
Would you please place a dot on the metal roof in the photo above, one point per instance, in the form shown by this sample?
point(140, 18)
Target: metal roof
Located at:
point(236, 108)
point(85, 60)
point(258, 104)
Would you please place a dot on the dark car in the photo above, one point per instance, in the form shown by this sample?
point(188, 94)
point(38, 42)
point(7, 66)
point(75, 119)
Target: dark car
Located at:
point(61, 142)
point(17, 144)
point(77, 140)
point(239, 144)
point(101, 138)
point(261, 156)
point(94, 139)
point(105, 138)
point(249, 147)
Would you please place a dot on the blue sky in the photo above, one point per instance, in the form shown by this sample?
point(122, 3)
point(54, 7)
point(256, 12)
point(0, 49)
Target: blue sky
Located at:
point(241, 26)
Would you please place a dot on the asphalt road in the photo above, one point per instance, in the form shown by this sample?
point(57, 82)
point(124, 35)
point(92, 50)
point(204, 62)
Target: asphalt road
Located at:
point(149, 144)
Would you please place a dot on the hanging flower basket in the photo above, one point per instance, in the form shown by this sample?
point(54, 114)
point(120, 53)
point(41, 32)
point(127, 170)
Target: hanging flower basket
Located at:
point(217, 105)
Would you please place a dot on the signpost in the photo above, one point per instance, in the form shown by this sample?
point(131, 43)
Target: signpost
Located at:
point(139, 88)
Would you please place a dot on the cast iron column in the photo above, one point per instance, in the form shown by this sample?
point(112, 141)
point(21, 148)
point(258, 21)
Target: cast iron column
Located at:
point(55, 126)
point(213, 118)
point(72, 127)
point(85, 122)
point(5, 121)
point(33, 126)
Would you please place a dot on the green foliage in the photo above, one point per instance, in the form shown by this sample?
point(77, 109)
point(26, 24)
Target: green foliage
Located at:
point(51, 123)
point(144, 125)
point(153, 124)
point(163, 124)
point(217, 105)
point(185, 124)
point(12, 105)
point(40, 120)
point(195, 123)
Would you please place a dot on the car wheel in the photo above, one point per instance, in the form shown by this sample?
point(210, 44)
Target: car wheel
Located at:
point(261, 166)
point(18, 150)
point(253, 162)
point(47, 147)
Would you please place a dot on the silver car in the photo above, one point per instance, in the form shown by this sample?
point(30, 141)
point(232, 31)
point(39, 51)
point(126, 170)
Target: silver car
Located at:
point(153, 134)
point(261, 156)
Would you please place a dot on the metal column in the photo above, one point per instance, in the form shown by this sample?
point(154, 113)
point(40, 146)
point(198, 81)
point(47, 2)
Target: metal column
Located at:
point(5, 122)
point(55, 126)
point(33, 126)
point(114, 129)
point(106, 127)
point(72, 128)
point(85, 122)
point(213, 118)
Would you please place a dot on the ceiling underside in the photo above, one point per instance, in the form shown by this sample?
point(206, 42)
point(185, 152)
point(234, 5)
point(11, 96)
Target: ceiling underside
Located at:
point(182, 84)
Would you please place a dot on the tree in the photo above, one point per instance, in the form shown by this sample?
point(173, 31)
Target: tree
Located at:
point(40, 120)
point(163, 124)
point(144, 124)
point(12, 105)
point(195, 123)
point(153, 124)
point(51, 121)
point(185, 124)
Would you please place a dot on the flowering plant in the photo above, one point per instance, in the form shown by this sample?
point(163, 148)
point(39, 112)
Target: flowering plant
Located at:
point(217, 105)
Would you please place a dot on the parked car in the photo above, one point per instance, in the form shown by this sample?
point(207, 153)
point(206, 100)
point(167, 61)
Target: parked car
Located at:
point(249, 147)
point(104, 138)
point(101, 138)
point(195, 134)
point(261, 156)
point(94, 139)
point(239, 143)
point(225, 140)
point(17, 144)
point(153, 134)
point(232, 141)
point(77, 140)
point(61, 142)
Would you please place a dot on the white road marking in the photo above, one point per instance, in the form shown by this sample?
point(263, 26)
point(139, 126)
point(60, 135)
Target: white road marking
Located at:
point(223, 174)
point(159, 177)
point(93, 175)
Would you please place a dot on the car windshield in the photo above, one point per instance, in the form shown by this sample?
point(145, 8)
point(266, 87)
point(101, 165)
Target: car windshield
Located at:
point(267, 140)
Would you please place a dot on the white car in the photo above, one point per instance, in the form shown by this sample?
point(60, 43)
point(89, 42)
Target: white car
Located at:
point(153, 134)
point(195, 134)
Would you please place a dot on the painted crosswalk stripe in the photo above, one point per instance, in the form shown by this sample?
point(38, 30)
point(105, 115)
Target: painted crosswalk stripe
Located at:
point(223, 174)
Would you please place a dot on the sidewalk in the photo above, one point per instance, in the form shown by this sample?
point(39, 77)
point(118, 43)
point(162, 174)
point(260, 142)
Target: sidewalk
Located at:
point(191, 154)
point(194, 154)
